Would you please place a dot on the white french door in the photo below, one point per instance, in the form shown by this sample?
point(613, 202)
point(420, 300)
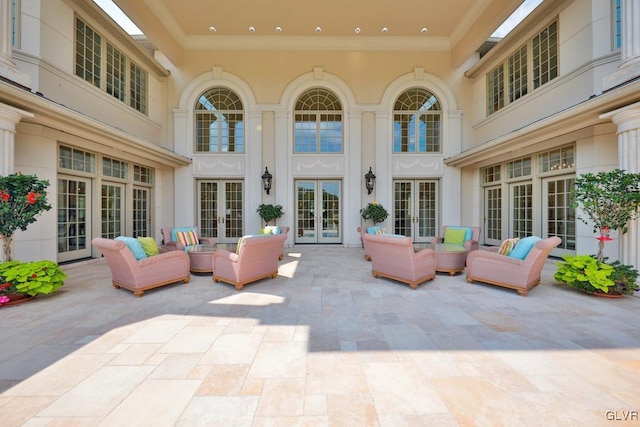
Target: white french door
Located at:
point(492, 215)
point(220, 208)
point(415, 212)
point(559, 217)
point(112, 210)
point(521, 209)
point(141, 211)
point(74, 213)
point(318, 213)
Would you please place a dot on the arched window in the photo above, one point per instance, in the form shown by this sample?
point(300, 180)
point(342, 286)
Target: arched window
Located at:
point(318, 122)
point(219, 123)
point(417, 119)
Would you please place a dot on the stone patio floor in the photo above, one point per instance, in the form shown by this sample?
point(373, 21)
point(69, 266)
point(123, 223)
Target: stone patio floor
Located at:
point(323, 344)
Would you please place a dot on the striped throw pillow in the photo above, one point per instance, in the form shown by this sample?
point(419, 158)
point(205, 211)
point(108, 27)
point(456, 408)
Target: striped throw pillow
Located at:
point(187, 238)
point(507, 246)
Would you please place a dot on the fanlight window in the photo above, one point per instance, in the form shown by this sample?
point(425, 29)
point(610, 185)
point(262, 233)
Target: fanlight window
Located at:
point(318, 122)
point(219, 123)
point(417, 119)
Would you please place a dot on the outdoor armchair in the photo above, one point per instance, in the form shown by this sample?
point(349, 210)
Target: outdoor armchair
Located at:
point(256, 258)
point(469, 240)
point(393, 257)
point(147, 273)
point(506, 271)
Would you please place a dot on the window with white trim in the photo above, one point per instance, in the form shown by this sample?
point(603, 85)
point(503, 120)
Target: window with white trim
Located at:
point(15, 23)
point(108, 68)
point(522, 73)
point(318, 122)
point(617, 24)
point(545, 55)
point(417, 120)
point(219, 122)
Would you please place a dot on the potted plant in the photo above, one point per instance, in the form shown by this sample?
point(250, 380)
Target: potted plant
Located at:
point(21, 280)
point(22, 199)
point(609, 200)
point(269, 213)
point(592, 276)
point(374, 212)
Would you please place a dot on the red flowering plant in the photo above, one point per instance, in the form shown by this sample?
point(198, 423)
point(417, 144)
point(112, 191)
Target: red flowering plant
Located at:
point(22, 199)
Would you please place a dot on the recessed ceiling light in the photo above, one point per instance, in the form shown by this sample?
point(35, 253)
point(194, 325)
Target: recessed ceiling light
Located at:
point(385, 29)
point(252, 29)
point(212, 29)
point(357, 30)
point(318, 30)
point(278, 29)
point(423, 30)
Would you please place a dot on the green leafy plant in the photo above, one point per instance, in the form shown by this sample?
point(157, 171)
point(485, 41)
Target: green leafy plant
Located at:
point(30, 278)
point(374, 212)
point(585, 273)
point(590, 275)
point(22, 199)
point(269, 213)
point(609, 200)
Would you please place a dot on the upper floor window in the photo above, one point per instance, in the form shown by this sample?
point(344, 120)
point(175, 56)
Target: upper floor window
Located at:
point(122, 78)
point(318, 122)
point(15, 23)
point(523, 73)
point(545, 55)
point(417, 119)
point(617, 24)
point(219, 123)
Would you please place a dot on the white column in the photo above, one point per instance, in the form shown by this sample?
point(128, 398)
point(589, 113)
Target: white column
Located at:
point(8, 68)
point(630, 66)
point(9, 118)
point(627, 119)
point(352, 191)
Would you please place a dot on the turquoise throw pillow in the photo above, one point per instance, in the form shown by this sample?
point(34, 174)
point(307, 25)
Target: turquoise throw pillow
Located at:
point(134, 246)
point(454, 236)
point(373, 229)
point(522, 248)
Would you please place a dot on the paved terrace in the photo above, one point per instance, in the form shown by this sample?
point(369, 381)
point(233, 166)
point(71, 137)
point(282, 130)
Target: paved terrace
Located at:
point(325, 343)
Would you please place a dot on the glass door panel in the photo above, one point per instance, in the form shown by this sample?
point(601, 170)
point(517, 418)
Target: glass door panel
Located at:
point(331, 201)
point(74, 229)
point(306, 211)
point(403, 208)
point(427, 211)
point(112, 210)
point(559, 217)
point(141, 212)
point(233, 221)
point(208, 208)
point(492, 216)
point(521, 210)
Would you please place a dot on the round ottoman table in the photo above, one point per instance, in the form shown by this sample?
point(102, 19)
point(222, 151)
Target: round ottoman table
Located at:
point(200, 257)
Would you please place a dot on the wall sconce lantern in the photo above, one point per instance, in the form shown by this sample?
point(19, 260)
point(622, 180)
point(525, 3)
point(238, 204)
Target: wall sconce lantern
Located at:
point(369, 179)
point(266, 180)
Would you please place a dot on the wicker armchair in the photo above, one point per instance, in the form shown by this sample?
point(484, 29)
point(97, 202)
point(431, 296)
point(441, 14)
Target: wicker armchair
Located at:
point(257, 259)
point(470, 244)
point(501, 270)
point(148, 273)
point(393, 257)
